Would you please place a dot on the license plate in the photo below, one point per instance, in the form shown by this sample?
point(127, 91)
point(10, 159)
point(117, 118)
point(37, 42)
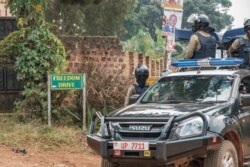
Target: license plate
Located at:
point(129, 145)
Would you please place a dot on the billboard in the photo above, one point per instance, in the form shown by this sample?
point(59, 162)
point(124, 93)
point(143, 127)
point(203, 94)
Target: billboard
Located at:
point(171, 20)
point(174, 18)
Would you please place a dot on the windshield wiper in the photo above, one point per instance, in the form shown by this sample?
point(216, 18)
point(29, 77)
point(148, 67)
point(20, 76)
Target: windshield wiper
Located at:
point(174, 101)
point(147, 102)
point(213, 101)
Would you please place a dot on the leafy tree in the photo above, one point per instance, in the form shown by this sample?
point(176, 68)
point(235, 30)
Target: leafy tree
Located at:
point(219, 19)
point(126, 18)
point(146, 16)
point(143, 43)
point(68, 18)
point(104, 18)
point(35, 52)
point(82, 2)
point(216, 10)
point(107, 17)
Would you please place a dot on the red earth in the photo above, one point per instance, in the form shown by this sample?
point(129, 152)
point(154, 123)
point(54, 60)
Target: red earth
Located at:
point(12, 158)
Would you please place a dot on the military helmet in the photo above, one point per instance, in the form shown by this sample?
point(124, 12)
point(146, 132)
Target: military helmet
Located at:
point(141, 70)
point(247, 23)
point(198, 21)
point(202, 20)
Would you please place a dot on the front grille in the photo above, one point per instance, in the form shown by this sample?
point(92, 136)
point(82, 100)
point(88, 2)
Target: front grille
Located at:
point(126, 125)
point(122, 129)
point(140, 135)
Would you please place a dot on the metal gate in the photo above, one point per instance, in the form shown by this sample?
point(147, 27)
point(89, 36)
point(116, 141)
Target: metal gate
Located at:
point(9, 86)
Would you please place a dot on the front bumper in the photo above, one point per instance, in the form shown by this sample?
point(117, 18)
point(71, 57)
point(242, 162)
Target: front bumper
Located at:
point(160, 151)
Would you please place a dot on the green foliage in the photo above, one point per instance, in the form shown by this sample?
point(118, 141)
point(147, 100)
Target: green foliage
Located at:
point(104, 18)
point(23, 8)
point(147, 16)
point(8, 49)
point(34, 104)
point(107, 17)
point(40, 137)
point(35, 53)
point(180, 50)
point(28, 13)
point(81, 2)
point(75, 114)
point(143, 43)
point(216, 10)
point(39, 54)
point(68, 18)
point(126, 18)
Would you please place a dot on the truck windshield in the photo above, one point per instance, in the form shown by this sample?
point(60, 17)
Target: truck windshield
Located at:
point(190, 89)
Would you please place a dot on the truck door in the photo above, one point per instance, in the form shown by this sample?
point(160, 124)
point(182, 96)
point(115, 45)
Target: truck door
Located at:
point(244, 117)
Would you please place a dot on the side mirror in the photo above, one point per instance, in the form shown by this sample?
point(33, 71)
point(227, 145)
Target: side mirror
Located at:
point(245, 99)
point(133, 98)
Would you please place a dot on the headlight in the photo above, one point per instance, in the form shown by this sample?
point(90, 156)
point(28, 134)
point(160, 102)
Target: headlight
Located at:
point(190, 128)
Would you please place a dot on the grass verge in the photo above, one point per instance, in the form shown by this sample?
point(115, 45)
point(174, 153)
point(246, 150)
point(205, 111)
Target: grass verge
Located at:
point(40, 137)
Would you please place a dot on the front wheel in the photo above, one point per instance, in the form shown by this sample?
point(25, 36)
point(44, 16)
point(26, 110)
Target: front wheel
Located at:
point(225, 156)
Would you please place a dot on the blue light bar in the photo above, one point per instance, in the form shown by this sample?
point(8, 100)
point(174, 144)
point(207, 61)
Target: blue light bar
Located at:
point(208, 62)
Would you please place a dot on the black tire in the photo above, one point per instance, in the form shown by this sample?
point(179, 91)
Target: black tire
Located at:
point(226, 154)
point(106, 163)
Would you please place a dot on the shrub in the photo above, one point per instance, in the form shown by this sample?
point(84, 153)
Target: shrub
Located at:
point(106, 91)
point(105, 87)
point(35, 52)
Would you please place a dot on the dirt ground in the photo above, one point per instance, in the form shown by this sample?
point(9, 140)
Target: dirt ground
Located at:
point(18, 158)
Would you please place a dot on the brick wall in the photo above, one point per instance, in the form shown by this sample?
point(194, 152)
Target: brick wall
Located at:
point(107, 53)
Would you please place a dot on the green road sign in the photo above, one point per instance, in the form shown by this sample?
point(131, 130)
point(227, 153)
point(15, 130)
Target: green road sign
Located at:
point(66, 81)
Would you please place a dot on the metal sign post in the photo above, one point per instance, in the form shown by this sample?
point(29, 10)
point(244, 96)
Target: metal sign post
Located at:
point(84, 100)
point(67, 82)
point(49, 102)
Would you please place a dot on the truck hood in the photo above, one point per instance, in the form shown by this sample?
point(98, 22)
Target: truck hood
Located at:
point(163, 110)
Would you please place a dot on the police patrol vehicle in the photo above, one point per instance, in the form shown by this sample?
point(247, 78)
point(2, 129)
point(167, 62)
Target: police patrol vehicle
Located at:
point(196, 117)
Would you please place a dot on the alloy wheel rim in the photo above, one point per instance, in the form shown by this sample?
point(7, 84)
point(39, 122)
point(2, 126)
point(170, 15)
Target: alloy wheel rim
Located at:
point(228, 160)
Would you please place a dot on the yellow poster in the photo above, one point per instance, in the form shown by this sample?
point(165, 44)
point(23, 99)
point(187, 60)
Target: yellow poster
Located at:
point(173, 4)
